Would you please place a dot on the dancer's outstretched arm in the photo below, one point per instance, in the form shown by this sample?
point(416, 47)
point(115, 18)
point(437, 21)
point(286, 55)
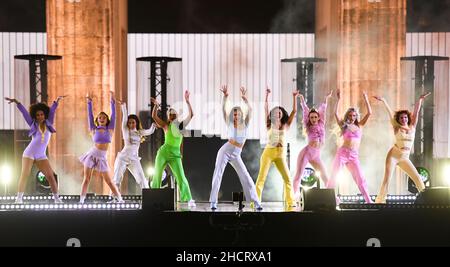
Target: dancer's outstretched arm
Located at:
point(249, 107)
point(112, 124)
point(266, 105)
point(186, 121)
point(323, 107)
point(160, 123)
point(22, 109)
point(91, 122)
point(369, 110)
point(224, 90)
point(336, 110)
point(51, 114)
point(417, 108)
point(295, 94)
point(386, 105)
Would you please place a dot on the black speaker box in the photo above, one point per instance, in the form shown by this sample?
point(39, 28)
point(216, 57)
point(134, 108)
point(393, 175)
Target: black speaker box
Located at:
point(320, 200)
point(158, 199)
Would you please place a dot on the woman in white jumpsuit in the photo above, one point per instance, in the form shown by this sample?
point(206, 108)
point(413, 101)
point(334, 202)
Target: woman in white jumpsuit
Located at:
point(133, 136)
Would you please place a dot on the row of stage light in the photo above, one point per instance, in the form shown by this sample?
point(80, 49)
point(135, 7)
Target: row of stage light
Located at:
point(401, 199)
point(346, 198)
point(98, 206)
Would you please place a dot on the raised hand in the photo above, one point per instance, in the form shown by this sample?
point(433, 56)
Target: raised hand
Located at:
point(338, 93)
point(224, 90)
point(366, 97)
point(425, 95)
point(187, 94)
point(59, 98)
point(244, 94)
point(113, 95)
point(89, 96)
point(296, 93)
point(379, 98)
point(302, 98)
point(154, 101)
point(330, 94)
point(11, 100)
point(268, 91)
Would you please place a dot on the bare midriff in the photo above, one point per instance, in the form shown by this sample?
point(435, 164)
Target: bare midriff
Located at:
point(236, 144)
point(102, 146)
point(352, 144)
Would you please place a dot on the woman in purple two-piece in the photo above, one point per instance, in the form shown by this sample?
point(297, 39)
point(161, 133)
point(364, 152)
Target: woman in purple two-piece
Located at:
point(102, 129)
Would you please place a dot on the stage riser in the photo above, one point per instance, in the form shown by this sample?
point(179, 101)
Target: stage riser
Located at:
point(139, 228)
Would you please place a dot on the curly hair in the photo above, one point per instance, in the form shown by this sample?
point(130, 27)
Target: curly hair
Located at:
point(107, 118)
point(400, 113)
point(39, 107)
point(284, 118)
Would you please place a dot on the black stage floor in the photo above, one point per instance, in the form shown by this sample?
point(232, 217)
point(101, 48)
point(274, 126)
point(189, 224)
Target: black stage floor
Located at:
point(108, 225)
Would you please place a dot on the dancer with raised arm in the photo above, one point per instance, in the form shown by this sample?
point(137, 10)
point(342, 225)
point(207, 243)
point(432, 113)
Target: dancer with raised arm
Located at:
point(40, 119)
point(314, 124)
point(133, 135)
point(404, 124)
point(348, 153)
point(101, 129)
point(237, 125)
point(277, 122)
point(170, 151)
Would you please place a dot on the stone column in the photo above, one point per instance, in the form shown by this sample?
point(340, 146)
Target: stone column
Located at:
point(91, 35)
point(363, 42)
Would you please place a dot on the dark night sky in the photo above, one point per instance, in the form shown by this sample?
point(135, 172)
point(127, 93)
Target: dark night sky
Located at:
point(201, 16)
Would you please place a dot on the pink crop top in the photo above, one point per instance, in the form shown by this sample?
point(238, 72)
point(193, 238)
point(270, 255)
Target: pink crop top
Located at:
point(348, 134)
point(315, 132)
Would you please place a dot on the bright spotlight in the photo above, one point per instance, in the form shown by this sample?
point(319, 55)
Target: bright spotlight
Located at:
point(150, 171)
point(340, 177)
point(6, 174)
point(447, 175)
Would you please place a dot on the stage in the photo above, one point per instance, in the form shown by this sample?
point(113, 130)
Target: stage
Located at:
point(98, 223)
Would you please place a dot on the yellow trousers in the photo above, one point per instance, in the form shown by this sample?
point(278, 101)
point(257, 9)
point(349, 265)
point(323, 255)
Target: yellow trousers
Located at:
point(278, 157)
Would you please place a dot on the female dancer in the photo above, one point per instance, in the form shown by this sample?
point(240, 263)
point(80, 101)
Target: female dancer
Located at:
point(133, 136)
point(40, 119)
point(348, 153)
point(314, 123)
point(277, 122)
point(102, 131)
point(170, 152)
point(404, 124)
point(231, 151)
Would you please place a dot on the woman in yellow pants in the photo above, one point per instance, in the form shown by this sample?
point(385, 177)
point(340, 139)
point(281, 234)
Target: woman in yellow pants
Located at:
point(277, 122)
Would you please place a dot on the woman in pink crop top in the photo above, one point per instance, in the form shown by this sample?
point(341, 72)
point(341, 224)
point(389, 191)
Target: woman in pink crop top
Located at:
point(348, 153)
point(404, 124)
point(102, 129)
point(314, 123)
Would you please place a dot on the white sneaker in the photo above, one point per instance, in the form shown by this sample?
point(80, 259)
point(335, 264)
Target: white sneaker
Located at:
point(120, 201)
point(213, 206)
point(58, 201)
point(191, 204)
point(18, 201)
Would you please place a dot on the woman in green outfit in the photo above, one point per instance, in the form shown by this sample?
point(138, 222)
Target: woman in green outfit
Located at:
point(170, 152)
